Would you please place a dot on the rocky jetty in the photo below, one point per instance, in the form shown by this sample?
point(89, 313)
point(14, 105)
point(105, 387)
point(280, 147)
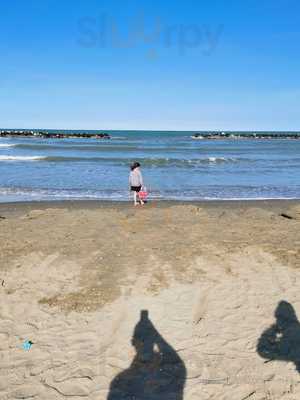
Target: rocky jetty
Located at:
point(247, 135)
point(53, 135)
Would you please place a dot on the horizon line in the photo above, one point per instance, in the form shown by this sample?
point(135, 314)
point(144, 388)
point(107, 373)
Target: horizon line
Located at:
point(153, 130)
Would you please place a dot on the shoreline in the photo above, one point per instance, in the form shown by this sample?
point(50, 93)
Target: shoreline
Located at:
point(151, 202)
point(278, 205)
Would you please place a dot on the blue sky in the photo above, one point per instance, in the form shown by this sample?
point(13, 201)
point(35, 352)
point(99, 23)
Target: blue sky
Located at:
point(177, 65)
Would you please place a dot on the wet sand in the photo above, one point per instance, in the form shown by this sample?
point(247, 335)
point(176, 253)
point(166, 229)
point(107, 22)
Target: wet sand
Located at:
point(220, 282)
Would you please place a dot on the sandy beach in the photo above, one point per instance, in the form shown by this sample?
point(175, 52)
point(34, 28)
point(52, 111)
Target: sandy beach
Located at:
point(167, 301)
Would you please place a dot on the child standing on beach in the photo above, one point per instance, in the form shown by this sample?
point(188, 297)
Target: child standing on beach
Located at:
point(136, 182)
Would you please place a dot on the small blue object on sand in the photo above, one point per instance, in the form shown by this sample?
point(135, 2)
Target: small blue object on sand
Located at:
point(27, 344)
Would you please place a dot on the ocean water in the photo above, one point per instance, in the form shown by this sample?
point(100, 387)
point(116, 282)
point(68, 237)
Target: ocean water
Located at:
point(174, 166)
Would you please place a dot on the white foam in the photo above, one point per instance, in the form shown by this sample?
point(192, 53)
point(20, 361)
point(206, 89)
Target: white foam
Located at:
point(216, 159)
point(21, 158)
point(6, 145)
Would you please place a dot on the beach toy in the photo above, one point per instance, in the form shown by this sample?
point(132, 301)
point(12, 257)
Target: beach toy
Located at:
point(143, 194)
point(27, 344)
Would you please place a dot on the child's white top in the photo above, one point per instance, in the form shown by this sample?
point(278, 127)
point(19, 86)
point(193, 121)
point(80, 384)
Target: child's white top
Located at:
point(135, 178)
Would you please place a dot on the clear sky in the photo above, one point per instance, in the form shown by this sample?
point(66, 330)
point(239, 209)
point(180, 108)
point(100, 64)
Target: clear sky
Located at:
point(132, 64)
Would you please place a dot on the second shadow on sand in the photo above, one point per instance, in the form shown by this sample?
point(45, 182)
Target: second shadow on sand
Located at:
point(281, 341)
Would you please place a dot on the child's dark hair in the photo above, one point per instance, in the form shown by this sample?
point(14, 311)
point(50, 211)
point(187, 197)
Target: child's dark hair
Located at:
point(135, 165)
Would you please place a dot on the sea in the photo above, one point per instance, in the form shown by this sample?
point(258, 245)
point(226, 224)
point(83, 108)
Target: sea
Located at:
point(174, 165)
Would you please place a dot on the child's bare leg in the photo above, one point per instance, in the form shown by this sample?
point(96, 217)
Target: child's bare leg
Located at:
point(134, 197)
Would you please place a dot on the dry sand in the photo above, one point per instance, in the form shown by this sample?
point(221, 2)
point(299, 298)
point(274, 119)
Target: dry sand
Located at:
point(220, 282)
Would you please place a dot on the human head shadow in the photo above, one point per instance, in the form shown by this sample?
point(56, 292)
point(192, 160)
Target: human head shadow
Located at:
point(281, 341)
point(156, 372)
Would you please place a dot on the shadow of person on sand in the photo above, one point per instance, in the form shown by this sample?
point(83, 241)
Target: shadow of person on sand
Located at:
point(282, 340)
point(156, 372)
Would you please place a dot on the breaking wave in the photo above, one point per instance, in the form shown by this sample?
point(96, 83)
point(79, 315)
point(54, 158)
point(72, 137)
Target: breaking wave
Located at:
point(5, 145)
point(150, 162)
point(22, 158)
